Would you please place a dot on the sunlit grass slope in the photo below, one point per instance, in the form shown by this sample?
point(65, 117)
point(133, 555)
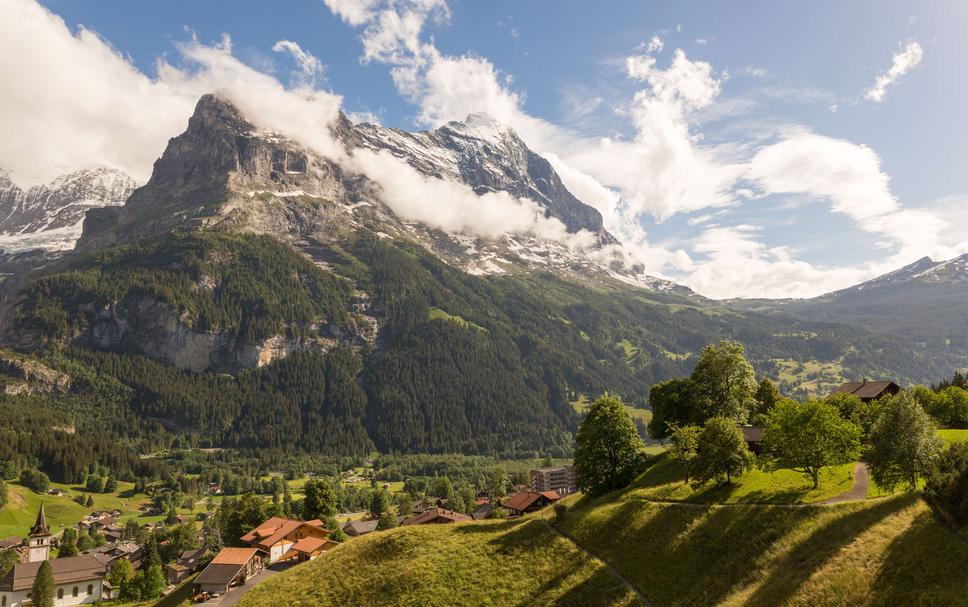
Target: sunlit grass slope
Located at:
point(487, 563)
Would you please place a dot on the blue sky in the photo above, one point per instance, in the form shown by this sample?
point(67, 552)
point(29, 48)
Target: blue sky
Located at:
point(735, 147)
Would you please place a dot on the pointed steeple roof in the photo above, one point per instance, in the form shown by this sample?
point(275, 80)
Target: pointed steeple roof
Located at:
point(40, 527)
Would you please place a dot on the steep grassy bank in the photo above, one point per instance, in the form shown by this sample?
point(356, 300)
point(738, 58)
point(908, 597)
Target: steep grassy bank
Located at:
point(886, 551)
point(881, 552)
point(488, 563)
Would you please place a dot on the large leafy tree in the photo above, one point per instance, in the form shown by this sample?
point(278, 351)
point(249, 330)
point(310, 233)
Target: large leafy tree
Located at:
point(725, 381)
point(685, 445)
point(904, 443)
point(42, 592)
point(673, 403)
point(608, 451)
point(722, 452)
point(946, 487)
point(320, 500)
point(767, 396)
point(809, 436)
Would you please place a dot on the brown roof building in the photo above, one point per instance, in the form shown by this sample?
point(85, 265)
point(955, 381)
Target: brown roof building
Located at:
point(356, 528)
point(231, 567)
point(277, 536)
point(523, 502)
point(869, 390)
point(435, 516)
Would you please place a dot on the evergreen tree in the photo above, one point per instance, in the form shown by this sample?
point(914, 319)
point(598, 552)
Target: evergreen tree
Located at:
point(42, 592)
point(379, 503)
point(154, 583)
point(68, 543)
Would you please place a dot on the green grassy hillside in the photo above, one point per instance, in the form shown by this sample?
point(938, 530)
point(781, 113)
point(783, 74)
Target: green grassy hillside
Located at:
point(487, 563)
point(887, 551)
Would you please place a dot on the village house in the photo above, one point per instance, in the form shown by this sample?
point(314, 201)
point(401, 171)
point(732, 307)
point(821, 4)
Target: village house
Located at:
point(186, 564)
point(78, 580)
point(435, 516)
point(230, 568)
point(482, 512)
point(11, 542)
point(109, 554)
point(869, 390)
point(753, 435)
point(560, 479)
point(277, 536)
point(523, 502)
point(358, 528)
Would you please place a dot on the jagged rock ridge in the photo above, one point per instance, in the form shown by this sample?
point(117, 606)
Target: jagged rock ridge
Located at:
point(49, 216)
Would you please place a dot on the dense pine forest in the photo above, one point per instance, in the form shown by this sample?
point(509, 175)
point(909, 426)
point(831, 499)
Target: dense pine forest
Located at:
point(459, 363)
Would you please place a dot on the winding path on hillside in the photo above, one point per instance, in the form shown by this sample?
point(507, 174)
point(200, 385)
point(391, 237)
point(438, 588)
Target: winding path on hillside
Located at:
point(608, 566)
point(858, 492)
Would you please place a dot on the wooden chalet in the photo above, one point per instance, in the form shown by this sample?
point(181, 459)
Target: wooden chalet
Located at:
point(230, 568)
point(523, 502)
point(753, 435)
point(436, 516)
point(277, 536)
point(869, 390)
point(357, 528)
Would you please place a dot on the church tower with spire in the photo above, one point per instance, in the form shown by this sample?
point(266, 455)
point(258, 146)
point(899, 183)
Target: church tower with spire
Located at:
point(38, 541)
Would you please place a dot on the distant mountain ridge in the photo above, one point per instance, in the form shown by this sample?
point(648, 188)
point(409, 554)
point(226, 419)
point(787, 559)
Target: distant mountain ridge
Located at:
point(49, 216)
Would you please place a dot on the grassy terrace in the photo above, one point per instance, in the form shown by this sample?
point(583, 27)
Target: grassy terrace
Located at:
point(488, 563)
point(664, 481)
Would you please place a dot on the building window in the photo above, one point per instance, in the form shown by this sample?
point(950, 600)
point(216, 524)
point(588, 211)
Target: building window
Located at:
point(60, 593)
point(75, 591)
point(90, 589)
point(3, 601)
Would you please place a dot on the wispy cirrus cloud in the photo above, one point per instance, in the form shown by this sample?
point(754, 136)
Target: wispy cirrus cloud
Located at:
point(905, 59)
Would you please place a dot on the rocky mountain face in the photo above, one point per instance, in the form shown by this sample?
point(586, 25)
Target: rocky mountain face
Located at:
point(223, 171)
point(489, 157)
point(49, 216)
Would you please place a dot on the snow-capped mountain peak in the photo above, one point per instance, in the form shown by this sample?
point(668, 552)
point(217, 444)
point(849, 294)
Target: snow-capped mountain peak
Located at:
point(49, 216)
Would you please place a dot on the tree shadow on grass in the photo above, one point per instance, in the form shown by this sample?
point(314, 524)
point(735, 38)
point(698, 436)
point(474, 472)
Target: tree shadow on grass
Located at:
point(600, 588)
point(925, 565)
point(795, 568)
point(722, 551)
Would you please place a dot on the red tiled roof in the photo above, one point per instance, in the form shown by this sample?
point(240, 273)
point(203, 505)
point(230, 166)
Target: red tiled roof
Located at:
point(234, 556)
point(308, 545)
point(522, 500)
point(276, 529)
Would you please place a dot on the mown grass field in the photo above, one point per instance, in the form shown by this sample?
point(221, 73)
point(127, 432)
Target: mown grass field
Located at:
point(953, 436)
point(488, 563)
point(20, 512)
point(664, 481)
